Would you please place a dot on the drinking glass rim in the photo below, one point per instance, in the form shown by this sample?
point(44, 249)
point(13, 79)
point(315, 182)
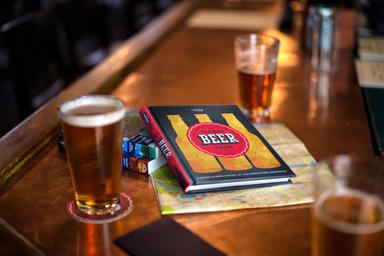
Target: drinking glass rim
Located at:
point(92, 120)
point(341, 166)
point(353, 159)
point(274, 41)
point(343, 226)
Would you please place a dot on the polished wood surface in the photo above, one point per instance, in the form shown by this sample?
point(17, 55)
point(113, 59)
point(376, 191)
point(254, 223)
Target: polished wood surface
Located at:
point(195, 66)
point(20, 145)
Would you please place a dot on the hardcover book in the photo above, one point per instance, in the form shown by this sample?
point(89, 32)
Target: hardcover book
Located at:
point(214, 147)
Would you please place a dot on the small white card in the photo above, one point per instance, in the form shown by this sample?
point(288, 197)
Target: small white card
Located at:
point(371, 48)
point(242, 20)
point(370, 73)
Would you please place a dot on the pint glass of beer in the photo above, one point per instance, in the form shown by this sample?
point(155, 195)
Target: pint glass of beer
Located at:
point(256, 59)
point(348, 214)
point(92, 128)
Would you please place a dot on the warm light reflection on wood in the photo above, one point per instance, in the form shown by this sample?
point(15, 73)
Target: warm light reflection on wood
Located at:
point(318, 96)
point(279, 96)
point(297, 6)
point(129, 84)
point(120, 227)
point(287, 43)
point(93, 240)
point(288, 60)
point(288, 49)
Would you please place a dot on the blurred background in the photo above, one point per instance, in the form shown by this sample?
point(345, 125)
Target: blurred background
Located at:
point(45, 45)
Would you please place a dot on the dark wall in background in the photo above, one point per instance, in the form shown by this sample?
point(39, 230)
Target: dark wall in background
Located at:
point(47, 44)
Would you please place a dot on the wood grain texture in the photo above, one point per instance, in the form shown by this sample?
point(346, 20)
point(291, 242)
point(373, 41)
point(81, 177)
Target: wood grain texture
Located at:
point(21, 144)
point(195, 66)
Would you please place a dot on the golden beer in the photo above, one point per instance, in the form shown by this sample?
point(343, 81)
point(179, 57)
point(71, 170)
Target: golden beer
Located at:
point(92, 128)
point(348, 222)
point(256, 90)
point(256, 63)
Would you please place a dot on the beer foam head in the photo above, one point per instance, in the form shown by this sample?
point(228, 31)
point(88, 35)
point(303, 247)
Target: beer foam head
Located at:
point(92, 111)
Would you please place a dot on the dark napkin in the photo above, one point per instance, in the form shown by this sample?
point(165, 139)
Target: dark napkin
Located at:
point(165, 237)
point(374, 98)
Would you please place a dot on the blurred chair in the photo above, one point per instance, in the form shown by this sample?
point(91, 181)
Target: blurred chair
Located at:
point(125, 18)
point(35, 59)
point(10, 9)
point(85, 24)
point(140, 12)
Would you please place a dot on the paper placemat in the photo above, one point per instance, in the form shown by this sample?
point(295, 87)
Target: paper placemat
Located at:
point(172, 200)
point(242, 20)
point(370, 73)
point(371, 48)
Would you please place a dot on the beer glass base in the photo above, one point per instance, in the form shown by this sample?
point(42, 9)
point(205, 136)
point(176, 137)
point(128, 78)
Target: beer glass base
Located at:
point(121, 210)
point(260, 115)
point(98, 209)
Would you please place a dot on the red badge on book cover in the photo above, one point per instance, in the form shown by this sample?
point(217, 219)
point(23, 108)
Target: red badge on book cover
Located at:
point(218, 139)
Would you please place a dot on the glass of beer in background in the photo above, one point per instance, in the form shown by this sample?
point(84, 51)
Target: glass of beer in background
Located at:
point(256, 60)
point(348, 214)
point(92, 127)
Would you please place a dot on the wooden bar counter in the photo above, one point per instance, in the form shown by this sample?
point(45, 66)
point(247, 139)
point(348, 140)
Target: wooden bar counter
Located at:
point(171, 63)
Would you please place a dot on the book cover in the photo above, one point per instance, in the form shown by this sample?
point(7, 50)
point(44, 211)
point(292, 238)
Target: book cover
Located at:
point(214, 147)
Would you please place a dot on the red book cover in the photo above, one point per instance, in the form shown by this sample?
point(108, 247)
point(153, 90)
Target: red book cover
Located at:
point(214, 147)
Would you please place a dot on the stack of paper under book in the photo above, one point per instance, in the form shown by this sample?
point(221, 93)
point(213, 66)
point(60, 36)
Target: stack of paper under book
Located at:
point(370, 72)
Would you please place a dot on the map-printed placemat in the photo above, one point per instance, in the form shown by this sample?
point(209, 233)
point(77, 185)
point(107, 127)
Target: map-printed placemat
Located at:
point(172, 200)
